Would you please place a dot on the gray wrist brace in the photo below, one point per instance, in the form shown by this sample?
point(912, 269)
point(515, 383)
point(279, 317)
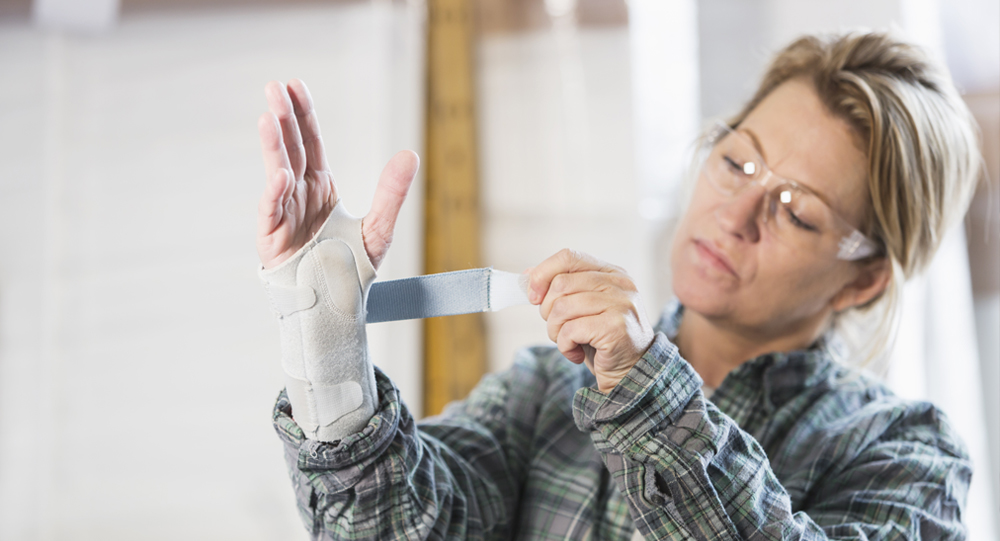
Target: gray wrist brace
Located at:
point(319, 295)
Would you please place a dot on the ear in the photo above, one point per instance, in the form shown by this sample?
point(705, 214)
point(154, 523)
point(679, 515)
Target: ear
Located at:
point(872, 279)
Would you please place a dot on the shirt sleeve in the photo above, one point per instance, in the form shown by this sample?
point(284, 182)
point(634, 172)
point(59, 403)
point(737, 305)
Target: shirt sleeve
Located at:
point(686, 469)
point(455, 478)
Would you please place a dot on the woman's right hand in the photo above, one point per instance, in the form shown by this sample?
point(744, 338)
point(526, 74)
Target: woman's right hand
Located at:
point(300, 190)
point(590, 304)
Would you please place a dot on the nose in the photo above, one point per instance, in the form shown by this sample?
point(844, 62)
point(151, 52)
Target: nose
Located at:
point(738, 216)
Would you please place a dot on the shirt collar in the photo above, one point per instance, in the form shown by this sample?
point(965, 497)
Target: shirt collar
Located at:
point(780, 375)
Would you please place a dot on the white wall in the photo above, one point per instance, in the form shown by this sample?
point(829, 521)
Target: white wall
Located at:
point(138, 358)
point(556, 160)
point(558, 153)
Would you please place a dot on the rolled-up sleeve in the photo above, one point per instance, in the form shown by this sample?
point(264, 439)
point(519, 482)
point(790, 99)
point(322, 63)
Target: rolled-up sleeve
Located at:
point(392, 480)
point(687, 469)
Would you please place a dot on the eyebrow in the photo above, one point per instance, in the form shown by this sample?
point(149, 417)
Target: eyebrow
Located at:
point(756, 142)
point(760, 149)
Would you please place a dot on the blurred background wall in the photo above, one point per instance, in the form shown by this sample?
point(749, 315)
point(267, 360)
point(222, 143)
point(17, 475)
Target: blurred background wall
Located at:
point(138, 357)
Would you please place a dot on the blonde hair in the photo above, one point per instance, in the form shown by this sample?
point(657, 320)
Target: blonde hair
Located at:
point(919, 137)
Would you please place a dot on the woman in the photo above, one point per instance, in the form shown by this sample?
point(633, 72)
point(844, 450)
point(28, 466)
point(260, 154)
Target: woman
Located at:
point(729, 419)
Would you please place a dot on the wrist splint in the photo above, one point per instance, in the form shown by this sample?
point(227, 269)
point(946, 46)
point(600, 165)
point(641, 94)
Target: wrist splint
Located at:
point(323, 296)
point(319, 295)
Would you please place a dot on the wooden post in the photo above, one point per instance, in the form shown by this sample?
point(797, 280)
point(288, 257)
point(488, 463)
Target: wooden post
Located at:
point(454, 347)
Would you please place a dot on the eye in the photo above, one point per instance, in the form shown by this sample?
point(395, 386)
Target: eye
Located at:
point(798, 222)
point(734, 167)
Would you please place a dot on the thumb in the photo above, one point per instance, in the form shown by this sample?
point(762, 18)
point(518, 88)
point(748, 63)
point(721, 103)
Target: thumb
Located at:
point(393, 184)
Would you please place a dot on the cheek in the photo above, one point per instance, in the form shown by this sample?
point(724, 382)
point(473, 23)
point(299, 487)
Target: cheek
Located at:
point(681, 245)
point(680, 234)
point(796, 285)
point(705, 291)
point(699, 209)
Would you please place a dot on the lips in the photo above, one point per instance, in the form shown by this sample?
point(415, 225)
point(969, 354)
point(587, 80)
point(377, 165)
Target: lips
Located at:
point(715, 257)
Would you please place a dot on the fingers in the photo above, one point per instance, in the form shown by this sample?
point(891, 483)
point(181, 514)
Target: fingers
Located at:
point(272, 146)
point(609, 343)
point(576, 336)
point(593, 313)
point(393, 185)
point(581, 340)
point(615, 310)
point(576, 306)
point(564, 261)
point(270, 209)
point(279, 103)
point(308, 124)
point(567, 284)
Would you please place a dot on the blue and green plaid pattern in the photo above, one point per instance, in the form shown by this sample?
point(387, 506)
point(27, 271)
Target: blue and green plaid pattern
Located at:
point(790, 446)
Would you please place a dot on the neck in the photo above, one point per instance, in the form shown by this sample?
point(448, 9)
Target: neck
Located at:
point(715, 348)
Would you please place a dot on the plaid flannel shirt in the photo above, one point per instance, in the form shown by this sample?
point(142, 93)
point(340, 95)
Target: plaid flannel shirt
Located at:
point(790, 446)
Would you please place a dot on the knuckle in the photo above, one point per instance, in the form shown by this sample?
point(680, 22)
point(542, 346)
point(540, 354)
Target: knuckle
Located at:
point(617, 335)
point(568, 255)
point(566, 329)
point(553, 331)
point(621, 283)
point(619, 320)
point(558, 309)
point(616, 272)
point(559, 283)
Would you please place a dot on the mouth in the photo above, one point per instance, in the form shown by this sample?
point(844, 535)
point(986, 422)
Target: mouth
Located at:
point(714, 257)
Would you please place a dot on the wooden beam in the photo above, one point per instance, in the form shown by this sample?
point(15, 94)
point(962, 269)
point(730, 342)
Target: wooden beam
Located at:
point(454, 347)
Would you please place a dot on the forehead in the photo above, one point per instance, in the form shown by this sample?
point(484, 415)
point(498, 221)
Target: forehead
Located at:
point(801, 140)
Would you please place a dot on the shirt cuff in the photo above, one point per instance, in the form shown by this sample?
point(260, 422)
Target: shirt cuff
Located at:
point(343, 461)
point(652, 394)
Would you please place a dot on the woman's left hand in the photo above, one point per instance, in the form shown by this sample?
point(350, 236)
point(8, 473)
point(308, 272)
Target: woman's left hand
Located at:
point(591, 304)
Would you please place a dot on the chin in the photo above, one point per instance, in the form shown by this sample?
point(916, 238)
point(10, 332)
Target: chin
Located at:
point(701, 301)
point(698, 288)
point(697, 293)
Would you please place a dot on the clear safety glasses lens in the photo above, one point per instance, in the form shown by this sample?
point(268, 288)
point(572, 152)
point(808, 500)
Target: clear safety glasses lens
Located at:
point(795, 214)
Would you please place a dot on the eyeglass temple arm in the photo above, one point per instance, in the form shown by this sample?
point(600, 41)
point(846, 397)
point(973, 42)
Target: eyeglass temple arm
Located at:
point(856, 246)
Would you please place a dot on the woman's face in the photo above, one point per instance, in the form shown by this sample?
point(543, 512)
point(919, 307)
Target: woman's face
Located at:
point(729, 266)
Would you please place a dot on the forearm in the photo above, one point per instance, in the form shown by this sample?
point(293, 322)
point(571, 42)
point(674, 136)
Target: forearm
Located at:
point(684, 466)
point(392, 481)
point(660, 443)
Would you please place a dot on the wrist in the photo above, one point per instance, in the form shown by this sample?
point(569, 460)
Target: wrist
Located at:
point(610, 379)
point(319, 296)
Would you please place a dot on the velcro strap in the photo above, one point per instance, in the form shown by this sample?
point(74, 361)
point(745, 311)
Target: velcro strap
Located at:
point(336, 401)
point(445, 294)
point(288, 300)
point(507, 289)
point(433, 295)
point(328, 402)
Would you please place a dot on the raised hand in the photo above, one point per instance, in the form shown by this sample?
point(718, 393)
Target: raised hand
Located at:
point(300, 191)
point(590, 304)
